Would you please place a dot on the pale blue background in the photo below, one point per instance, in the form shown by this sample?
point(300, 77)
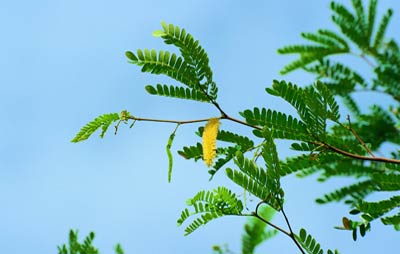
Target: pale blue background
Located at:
point(62, 63)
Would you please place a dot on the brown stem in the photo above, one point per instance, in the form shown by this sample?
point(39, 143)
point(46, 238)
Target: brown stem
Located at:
point(356, 156)
point(292, 235)
point(255, 214)
point(358, 137)
point(241, 122)
point(367, 61)
point(289, 234)
point(332, 148)
point(167, 121)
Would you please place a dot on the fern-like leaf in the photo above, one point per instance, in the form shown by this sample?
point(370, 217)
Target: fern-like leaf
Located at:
point(310, 245)
point(314, 104)
point(192, 152)
point(256, 180)
point(209, 205)
point(373, 210)
point(192, 52)
point(256, 232)
point(357, 191)
point(328, 43)
point(382, 29)
point(177, 92)
point(392, 220)
point(285, 127)
point(103, 122)
point(163, 62)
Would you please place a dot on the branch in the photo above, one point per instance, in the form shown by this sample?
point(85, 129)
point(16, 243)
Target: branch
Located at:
point(255, 214)
point(224, 116)
point(358, 137)
point(166, 121)
point(332, 148)
point(368, 61)
point(292, 235)
point(363, 57)
point(289, 234)
point(356, 156)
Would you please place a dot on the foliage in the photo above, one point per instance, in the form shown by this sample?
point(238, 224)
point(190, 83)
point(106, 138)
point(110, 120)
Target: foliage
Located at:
point(371, 129)
point(256, 232)
point(310, 244)
point(327, 144)
point(210, 205)
point(103, 122)
point(86, 247)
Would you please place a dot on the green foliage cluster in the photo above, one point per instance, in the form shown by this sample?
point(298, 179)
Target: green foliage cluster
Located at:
point(310, 244)
point(327, 143)
point(256, 232)
point(86, 247)
point(366, 132)
point(210, 205)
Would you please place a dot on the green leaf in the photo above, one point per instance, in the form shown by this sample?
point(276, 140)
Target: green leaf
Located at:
point(352, 26)
point(177, 92)
point(357, 191)
point(165, 63)
point(118, 249)
point(248, 183)
point(328, 43)
point(209, 205)
point(131, 56)
point(371, 18)
point(191, 51)
point(387, 182)
point(377, 209)
point(192, 152)
point(159, 33)
point(261, 183)
point(285, 127)
point(391, 220)
point(103, 122)
point(310, 245)
point(313, 104)
point(76, 247)
point(256, 231)
point(382, 29)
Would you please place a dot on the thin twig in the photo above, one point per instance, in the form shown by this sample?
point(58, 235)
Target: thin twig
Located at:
point(289, 234)
point(363, 57)
point(167, 121)
point(358, 137)
point(255, 214)
point(271, 224)
point(335, 149)
point(292, 235)
point(241, 122)
point(356, 156)
point(367, 61)
point(214, 102)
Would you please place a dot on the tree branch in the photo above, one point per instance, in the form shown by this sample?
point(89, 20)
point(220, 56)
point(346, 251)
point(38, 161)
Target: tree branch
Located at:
point(289, 234)
point(255, 214)
point(356, 156)
point(358, 137)
point(227, 117)
point(167, 121)
point(292, 235)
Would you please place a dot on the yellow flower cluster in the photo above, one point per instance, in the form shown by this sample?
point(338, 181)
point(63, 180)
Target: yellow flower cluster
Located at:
point(210, 140)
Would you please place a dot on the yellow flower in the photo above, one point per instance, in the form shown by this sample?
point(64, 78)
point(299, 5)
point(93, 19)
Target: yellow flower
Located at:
point(210, 140)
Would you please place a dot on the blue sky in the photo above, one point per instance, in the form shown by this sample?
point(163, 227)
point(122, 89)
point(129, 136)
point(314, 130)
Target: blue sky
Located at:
point(62, 64)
